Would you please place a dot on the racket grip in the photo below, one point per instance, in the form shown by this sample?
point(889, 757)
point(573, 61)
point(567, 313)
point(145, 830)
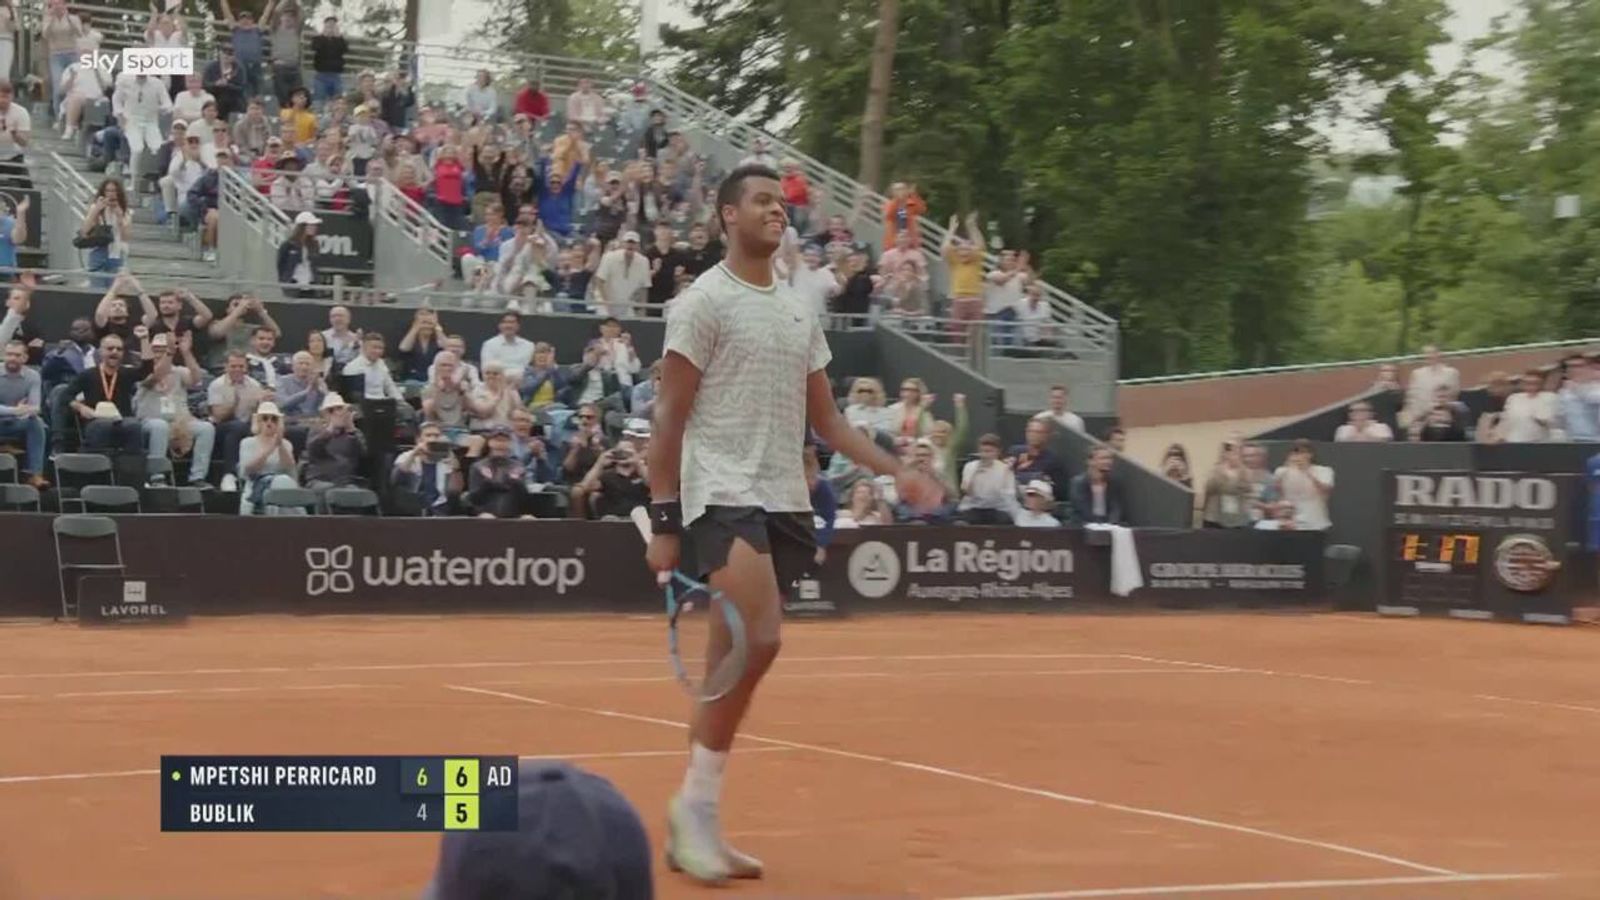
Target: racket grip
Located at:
point(641, 521)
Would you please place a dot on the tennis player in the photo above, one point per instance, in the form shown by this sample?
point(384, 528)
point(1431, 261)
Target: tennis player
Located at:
point(744, 372)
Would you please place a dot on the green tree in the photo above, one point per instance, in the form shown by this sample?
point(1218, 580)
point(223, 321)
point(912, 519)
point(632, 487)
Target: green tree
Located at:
point(603, 30)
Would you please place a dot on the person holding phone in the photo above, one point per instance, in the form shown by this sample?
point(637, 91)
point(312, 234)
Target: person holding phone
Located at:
point(427, 479)
point(1306, 486)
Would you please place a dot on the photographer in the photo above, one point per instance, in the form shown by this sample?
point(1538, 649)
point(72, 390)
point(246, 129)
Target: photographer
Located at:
point(427, 478)
point(584, 449)
point(616, 483)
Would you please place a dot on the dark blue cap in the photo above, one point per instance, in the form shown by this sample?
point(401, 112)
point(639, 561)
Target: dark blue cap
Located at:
point(579, 839)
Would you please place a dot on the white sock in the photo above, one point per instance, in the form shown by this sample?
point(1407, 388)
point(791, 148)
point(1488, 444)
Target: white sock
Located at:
point(702, 783)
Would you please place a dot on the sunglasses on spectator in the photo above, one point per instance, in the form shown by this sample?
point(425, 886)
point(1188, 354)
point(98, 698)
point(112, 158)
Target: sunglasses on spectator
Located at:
point(586, 418)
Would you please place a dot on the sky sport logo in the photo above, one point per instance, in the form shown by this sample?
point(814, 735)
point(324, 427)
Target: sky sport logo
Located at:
point(333, 570)
point(142, 61)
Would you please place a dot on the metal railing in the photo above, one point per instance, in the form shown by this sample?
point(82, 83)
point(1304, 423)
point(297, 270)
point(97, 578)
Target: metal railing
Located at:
point(66, 202)
point(251, 229)
point(409, 245)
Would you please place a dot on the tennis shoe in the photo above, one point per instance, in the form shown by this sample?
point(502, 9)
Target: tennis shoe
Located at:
point(694, 841)
point(741, 865)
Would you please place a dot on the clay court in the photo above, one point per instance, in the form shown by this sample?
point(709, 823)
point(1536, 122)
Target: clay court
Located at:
point(1205, 755)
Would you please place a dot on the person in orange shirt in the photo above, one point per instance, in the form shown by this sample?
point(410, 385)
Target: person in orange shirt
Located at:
point(901, 212)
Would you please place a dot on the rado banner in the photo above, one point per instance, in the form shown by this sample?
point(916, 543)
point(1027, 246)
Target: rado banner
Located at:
point(344, 241)
point(1478, 544)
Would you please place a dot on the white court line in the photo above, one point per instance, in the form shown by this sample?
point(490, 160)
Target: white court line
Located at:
point(680, 753)
point(979, 779)
point(1183, 662)
point(523, 663)
point(157, 692)
point(1241, 887)
point(1553, 705)
point(947, 673)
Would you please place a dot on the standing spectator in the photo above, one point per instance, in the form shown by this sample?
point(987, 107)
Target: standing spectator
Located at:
point(568, 283)
point(450, 188)
point(556, 194)
point(249, 46)
point(1058, 413)
point(949, 440)
point(105, 404)
point(233, 398)
point(614, 353)
point(111, 315)
point(586, 107)
point(106, 228)
point(85, 86)
point(1003, 292)
point(1306, 486)
point(1038, 507)
point(824, 502)
point(1263, 488)
point(481, 98)
point(286, 27)
point(1228, 490)
point(702, 255)
point(655, 134)
point(10, 30)
point(497, 487)
point(344, 343)
point(912, 415)
point(162, 406)
point(397, 99)
point(660, 255)
point(1426, 380)
point(964, 258)
point(334, 452)
point(622, 279)
point(418, 347)
point(1033, 316)
point(1034, 459)
point(1175, 465)
point(988, 486)
point(296, 120)
point(16, 133)
point(1362, 427)
point(532, 101)
point(232, 332)
point(363, 140)
point(190, 103)
point(1446, 420)
point(297, 256)
point(225, 80)
point(328, 51)
point(21, 399)
point(865, 408)
point(816, 282)
point(427, 477)
point(1529, 415)
point(266, 462)
point(901, 213)
point(901, 253)
point(1096, 496)
point(293, 192)
point(1579, 401)
point(796, 195)
point(857, 285)
point(377, 383)
point(492, 402)
point(446, 402)
point(1498, 389)
point(508, 348)
point(61, 31)
point(13, 231)
point(138, 104)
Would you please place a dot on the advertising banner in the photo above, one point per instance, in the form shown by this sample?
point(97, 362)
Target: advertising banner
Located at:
point(1227, 566)
point(344, 241)
point(1478, 544)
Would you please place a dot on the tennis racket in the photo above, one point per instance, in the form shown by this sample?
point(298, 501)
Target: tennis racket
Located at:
point(704, 630)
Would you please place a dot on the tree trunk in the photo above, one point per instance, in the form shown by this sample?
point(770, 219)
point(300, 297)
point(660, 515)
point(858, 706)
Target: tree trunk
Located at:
point(877, 107)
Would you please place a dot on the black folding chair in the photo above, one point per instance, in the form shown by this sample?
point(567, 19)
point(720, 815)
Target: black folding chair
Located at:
point(16, 497)
point(351, 501)
point(104, 498)
point(292, 497)
point(85, 545)
point(8, 468)
point(174, 500)
point(75, 471)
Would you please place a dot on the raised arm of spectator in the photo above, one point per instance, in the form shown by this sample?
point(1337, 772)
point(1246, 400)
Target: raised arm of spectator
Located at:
point(948, 244)
point(266, 317)
point(186, 350)
point(220, 328)
point(102, 310)
point(974, 233)
point(202, 312)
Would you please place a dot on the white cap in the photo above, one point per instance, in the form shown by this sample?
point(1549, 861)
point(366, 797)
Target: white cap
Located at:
point(333, 401)
point(268, 408)
point(1038, 486)
point(630, 236)
point(307, 218)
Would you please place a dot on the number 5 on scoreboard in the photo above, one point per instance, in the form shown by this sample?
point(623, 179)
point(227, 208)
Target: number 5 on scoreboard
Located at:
point(461, 814)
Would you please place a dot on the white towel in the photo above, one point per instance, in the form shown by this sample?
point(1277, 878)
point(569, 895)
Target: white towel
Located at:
point(1126, 576)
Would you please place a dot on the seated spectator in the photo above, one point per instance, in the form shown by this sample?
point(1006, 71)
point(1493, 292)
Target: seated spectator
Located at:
point(824, 502)
point(1058, 411)
point(1228, 490)
point(864, 506)
point(1034, 320)
point(1038, 509)
point(622, 278)
point(190, 103)
point(233, 331)
point(479, 263)
point(1278, 517)
point(419, 346)
point(1117, 439)
point(508, 348)
point(642, 400)
point(904, 251)
point(1003, 292)
point(266, 461)
point(293, 192)
point(1034, 459)
point(105, 401)
point(261, 362)
point(568, 283)
point(492, 402)
point(1388, 378)
point(866, 409)
point(912, 415)
point(497, 486)
point(1579, 400)
point(1096, 496)
point(225, 80)
point(586, 107)
point(233, 398)
point(544, 383)
point(60, 370)
point(1530, 415)
point(446, 402)
point(1175, 465)
point(528, 447)
point(584, 447)
point(615, 485)
point(1306, 486)
point(21, 399)
point(427, 480)
point(950, 440)
point(988, 487)
point(83, 86)
point(907, 296)
point(936, 510)
point(335, 451)
point(376, 379)
point(299, 394)
point(298, 122)
point(1362, 427)
point(162, 406)
point(343, 341)
point(1446, 420)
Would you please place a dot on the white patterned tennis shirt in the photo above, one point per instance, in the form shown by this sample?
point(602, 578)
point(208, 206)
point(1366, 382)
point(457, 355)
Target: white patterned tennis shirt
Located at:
point(755, 347)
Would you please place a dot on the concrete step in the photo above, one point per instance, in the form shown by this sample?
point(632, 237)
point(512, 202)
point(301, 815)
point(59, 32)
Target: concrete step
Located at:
point(174, 248)
point(172, 268)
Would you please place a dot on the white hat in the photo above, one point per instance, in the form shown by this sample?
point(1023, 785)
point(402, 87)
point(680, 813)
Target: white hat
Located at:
point(333, 401)
point(630, 236)
point(636, 428)
point(307, 218)
point(105, 409)
point(268, 408)
point(1039, 486)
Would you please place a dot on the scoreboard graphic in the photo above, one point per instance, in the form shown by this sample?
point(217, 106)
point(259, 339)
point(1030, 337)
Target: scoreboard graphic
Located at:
point(338, 793)
point(1478, 545)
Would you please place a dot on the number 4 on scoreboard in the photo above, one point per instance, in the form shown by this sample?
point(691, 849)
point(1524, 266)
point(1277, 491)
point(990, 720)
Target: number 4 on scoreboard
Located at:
point(422, 811)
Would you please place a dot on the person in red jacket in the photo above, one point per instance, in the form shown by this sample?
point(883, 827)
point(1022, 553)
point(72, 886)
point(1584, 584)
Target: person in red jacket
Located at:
point(533, 102)
point(796, 195)
point(450, 188)
point(901, 212)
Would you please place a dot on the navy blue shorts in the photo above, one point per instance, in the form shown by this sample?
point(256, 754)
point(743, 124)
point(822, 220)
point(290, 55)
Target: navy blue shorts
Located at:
point(789, 538)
